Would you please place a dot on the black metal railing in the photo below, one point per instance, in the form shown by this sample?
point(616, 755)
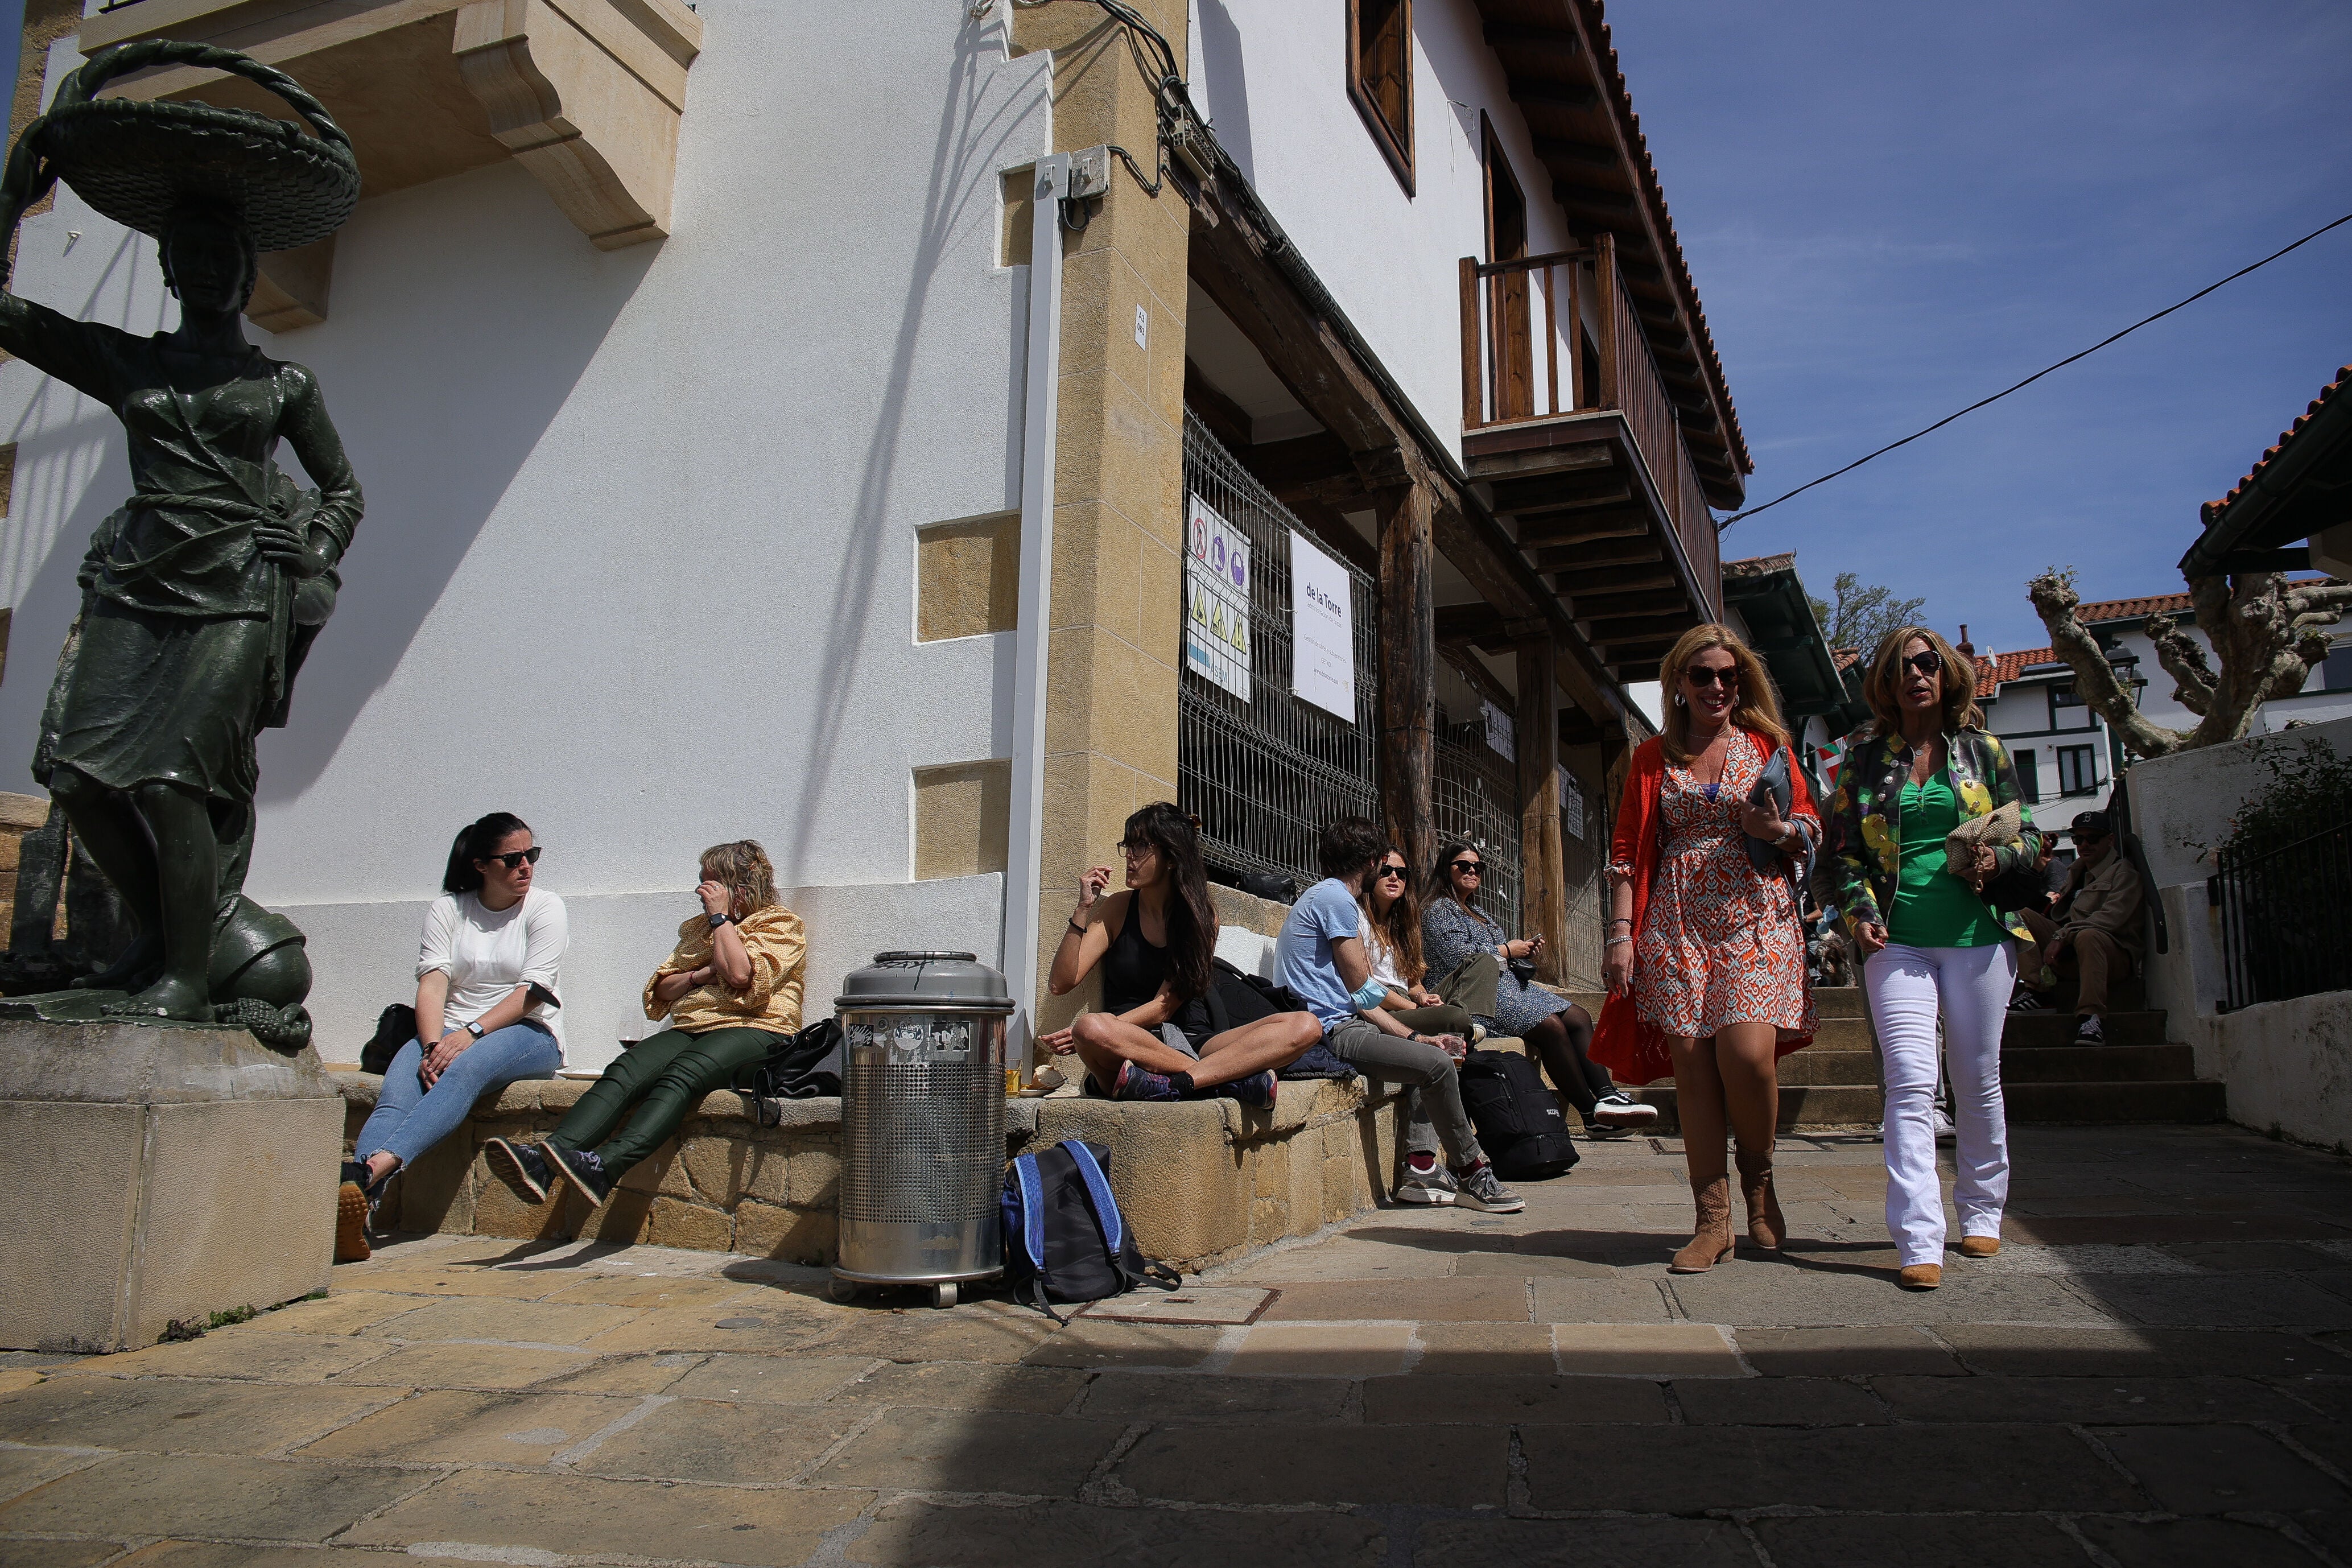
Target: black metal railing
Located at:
point(1263, 769)
point(2283, 932)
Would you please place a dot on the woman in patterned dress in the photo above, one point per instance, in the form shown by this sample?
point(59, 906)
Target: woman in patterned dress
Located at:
point(1930, 940)
point(1705, 957)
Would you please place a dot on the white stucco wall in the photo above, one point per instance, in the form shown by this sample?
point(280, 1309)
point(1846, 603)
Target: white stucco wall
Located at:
point(638, 556)
point(2287, 1063)
point(1271, 77)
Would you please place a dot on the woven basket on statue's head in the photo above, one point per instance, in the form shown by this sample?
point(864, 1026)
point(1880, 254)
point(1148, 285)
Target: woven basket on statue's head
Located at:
point(140, 162)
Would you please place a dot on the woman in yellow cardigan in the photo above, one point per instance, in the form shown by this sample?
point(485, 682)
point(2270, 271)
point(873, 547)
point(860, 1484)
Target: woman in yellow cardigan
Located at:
point(731, 991)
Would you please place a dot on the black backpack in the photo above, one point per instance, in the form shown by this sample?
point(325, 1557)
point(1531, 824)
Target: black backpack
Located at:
point(797, 1067)
point(395, 1028)
point(1065, 1239)
point(1516, 1115)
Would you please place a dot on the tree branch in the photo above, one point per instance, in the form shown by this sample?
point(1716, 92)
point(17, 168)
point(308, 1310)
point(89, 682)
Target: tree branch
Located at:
point(2096, 683)
point(2183, 660)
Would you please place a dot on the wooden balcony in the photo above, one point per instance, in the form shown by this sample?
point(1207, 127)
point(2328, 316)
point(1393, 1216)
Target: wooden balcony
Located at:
point(1569, 436)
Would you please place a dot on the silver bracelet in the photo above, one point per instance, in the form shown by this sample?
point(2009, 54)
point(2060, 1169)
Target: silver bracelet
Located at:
point(1615, 940)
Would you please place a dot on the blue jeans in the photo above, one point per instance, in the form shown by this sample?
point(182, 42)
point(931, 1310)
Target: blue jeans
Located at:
point(409, 1118)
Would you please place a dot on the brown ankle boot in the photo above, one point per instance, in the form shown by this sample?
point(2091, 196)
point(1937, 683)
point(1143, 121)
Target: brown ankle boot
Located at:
point(1710, 1243)
point(1766, 1227)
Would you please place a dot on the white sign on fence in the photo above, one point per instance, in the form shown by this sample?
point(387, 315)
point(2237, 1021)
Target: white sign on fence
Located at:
point(1502, 733)
point(1216, 600)
point(1572, 803)
point(1322, 630)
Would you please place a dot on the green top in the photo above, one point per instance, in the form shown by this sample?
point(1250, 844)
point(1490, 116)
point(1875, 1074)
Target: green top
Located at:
point(1933, 908)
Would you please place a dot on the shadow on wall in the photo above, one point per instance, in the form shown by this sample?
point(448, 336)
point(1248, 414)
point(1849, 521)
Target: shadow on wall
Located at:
point(1224, 69)
point(972, 139)
point(436, 427)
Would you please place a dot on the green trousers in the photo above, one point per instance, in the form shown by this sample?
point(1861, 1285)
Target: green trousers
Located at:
point(662, 1078)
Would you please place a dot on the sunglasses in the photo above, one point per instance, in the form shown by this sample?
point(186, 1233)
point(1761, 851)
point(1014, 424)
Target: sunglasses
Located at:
point(1134, 849)
point(1727, 675)
point(1396, 871)
point(518, 858)
point(1468, 868)
point(1927, 663)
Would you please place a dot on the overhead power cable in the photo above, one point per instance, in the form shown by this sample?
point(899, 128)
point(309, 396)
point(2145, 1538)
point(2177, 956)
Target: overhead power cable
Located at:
point(2037, 375)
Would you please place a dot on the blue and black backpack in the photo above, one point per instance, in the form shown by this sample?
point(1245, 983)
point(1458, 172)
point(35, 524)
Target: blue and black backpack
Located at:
point(1065, 1239)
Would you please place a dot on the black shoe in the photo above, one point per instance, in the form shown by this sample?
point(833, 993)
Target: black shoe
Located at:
point(522, 1166)
point(2090, 1031)
point(583, 1170)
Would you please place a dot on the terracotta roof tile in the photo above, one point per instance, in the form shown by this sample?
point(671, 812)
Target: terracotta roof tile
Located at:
point(1761, 566)
point(2212, 510)
point(2132, 609)
point(1994, 671)
point(1845, 658)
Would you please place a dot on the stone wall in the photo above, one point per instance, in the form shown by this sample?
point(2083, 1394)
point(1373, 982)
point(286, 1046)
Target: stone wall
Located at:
point(2288, 1065)
point(1201, 1182)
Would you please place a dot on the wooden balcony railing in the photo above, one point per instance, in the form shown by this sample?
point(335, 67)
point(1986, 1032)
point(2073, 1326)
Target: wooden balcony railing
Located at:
point(1572, 306)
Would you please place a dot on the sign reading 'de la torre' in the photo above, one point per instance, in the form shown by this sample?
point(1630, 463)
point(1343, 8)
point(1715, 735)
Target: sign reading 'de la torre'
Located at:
point(1323, 641)
point(1216, 600)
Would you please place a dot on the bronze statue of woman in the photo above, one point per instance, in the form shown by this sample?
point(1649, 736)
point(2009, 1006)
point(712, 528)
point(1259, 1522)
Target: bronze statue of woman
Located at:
point(198, 591)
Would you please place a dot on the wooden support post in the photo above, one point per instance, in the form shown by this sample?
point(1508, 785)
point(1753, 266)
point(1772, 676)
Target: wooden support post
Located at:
point(1543, 883)
point(1606, 283)
point(1408, 669)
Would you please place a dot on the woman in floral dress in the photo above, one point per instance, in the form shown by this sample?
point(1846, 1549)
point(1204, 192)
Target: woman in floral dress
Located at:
point(1705, 957)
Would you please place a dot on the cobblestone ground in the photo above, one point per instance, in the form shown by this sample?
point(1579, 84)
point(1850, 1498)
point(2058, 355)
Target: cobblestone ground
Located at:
point(2155, 1370)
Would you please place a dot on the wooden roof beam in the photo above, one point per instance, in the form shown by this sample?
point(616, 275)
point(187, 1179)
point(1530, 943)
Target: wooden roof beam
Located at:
point(1527, 90)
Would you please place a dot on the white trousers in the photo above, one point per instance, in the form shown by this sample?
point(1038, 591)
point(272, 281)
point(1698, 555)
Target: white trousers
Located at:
point(1904, 985)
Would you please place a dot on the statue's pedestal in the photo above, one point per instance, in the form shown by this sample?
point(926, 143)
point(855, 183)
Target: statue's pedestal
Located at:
point(152, 1173)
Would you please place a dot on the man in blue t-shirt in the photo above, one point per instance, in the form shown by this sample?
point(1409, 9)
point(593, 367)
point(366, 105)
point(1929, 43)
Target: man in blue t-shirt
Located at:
point(1320, 957)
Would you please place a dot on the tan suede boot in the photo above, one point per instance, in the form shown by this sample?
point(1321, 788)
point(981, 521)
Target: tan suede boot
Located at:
point(1710, 1242)
point(1766, 1226)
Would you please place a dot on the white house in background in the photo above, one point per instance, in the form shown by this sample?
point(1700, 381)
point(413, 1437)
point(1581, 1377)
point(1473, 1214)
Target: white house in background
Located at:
point(2066, 755)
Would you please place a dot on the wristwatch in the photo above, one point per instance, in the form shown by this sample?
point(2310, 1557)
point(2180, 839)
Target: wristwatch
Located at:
point(717, 920)
point(474, 1030)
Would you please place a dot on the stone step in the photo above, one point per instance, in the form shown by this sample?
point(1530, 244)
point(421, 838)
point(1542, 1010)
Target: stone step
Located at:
point(2028, 1102)
point(1829, 1001)
point(2032, 1030)
point(2190, 1100)
point(2097, 1064)
point(1821, 1065)
point(2122, 995)
point(1802, 1105)
point(1839, 1035)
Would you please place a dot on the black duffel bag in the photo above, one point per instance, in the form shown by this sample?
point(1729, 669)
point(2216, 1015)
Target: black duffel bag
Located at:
point(1516, 1115)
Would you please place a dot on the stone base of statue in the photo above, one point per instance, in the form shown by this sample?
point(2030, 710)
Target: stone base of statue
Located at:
point(155, 1176)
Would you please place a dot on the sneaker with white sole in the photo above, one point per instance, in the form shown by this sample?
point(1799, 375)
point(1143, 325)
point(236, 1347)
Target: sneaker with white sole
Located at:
point(1943, 1134)
point(1435, 1186)
point(582, 1169)
point(2029, 1002)
point(1479, 1188)
point(1618, 1108)
point(2089, 1031)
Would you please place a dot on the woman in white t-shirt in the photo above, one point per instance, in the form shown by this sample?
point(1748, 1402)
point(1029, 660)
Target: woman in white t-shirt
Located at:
point(486, 1012)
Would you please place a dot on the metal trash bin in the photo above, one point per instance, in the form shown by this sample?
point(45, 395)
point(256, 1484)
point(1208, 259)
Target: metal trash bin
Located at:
point(922, 1123)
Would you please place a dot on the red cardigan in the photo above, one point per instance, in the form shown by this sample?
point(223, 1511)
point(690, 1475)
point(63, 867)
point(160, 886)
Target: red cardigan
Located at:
point(1635, 1052)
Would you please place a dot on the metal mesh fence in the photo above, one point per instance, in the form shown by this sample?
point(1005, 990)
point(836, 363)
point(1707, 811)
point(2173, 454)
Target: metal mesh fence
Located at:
point(1474, 797)
point(2277, 939)
point(1263, 769)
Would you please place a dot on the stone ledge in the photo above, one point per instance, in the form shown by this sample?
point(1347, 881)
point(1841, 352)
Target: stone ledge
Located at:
point(1202, 1182)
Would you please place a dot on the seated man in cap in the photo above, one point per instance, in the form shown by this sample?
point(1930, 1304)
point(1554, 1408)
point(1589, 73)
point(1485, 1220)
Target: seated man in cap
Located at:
point(2097, 920)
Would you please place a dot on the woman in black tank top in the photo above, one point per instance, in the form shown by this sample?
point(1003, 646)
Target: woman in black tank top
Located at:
point(1146, 984)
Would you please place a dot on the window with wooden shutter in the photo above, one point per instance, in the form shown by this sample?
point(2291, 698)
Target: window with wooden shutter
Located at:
point(1380, 77)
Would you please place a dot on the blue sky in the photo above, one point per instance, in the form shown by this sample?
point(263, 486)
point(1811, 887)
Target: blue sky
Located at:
point(1892, 210)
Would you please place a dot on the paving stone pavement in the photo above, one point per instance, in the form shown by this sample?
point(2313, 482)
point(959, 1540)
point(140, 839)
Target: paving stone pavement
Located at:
point(2156, 1370)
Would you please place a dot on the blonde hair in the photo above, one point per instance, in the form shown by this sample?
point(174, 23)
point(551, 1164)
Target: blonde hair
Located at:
point(1757, 707)
point(744, 867)
point(1959, 682)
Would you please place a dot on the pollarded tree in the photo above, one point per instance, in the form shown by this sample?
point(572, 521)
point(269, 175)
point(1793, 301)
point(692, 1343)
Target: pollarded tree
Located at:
point(2266, 632)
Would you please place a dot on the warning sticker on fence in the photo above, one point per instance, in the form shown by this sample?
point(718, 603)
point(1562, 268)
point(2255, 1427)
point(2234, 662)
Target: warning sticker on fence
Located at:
point(1217, 600)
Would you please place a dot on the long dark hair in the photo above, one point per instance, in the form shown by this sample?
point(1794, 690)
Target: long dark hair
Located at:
point(1191, 919)
point(478, 840)
point(1400, 927)
point(1440, 885)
